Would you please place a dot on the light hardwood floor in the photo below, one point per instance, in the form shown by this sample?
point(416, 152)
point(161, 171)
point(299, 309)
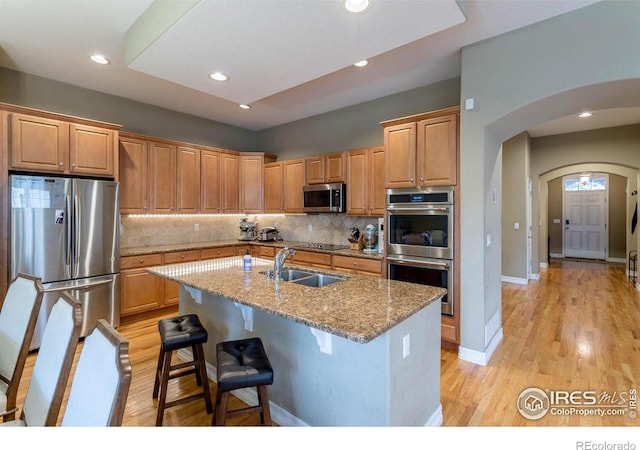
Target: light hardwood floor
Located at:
point(577, 328)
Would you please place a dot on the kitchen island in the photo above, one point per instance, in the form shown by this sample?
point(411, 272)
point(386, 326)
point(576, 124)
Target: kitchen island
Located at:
point(360, 352)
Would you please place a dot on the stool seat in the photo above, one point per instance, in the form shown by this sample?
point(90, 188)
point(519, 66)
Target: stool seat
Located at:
point(177, 333)
point(180, 332)
point(241, 364)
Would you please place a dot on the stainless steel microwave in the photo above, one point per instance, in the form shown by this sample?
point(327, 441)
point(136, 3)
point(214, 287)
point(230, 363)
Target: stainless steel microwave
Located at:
point(324, 198)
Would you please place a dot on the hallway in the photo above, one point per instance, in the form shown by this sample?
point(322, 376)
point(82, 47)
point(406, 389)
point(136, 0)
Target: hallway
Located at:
point(575, 329)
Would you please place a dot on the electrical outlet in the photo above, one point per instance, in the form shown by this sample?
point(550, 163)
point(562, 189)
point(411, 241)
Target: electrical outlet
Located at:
point(406, 345)
point(310, 227)
point(196, 227)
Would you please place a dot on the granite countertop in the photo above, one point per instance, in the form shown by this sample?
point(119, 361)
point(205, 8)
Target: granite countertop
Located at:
point(360, 308)
point(135, 251)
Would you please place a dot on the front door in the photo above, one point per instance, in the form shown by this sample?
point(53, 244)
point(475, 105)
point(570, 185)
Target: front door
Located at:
point(585, 215)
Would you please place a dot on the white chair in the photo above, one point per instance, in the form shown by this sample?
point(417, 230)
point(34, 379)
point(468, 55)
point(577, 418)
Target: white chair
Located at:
point(18, 317)
point(53, 365)
point(101, 381)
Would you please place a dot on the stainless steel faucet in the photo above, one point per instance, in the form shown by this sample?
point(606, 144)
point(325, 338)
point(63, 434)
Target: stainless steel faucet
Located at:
point(278, 262)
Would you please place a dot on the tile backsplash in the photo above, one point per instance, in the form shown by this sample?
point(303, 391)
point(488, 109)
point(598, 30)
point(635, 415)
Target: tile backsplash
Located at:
point(142, 231)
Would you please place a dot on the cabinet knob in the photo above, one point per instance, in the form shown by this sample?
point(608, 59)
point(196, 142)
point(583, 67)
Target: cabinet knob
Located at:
point(61, 164)
point(142, 261)
point(421, 178)
point(411, 179)
point(182, 257)
point(73, 165)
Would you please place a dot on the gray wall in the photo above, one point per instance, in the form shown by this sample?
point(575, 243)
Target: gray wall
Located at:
point(518, 80)
point(35, 92)
point(356, 126)
point(515, 170)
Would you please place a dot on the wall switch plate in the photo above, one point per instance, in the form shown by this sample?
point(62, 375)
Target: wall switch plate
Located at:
point(310, 227)
point(406, 345)
point(196, 227)
point(516, 226)
point(488, 240)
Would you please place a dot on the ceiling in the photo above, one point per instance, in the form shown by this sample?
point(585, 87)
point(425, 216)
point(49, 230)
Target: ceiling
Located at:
point(288, 59)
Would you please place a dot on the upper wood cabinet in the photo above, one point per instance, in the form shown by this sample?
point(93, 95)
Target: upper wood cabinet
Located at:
point(252, 181)
point(365, 182)
point(134, 178)
point(330, 168)
point(210, 181)
point(422, 150)
point(229, 171)
point(294, 180)
point(274, 187)
point(188, 180)
point(162, 178)
point(43, 144)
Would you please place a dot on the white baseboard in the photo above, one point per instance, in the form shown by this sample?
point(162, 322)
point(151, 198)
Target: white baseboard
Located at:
point(534, 276)
point(556, 255)
point(514, 280)
point(481, 358)
point(617, 260)
point(436, 419)
point(543, 265)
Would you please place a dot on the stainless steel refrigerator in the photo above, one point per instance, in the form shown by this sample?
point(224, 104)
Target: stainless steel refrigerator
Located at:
point(67, 232)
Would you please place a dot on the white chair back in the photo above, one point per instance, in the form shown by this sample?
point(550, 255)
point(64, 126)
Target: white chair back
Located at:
point(101, 382)
point(17, 322)
point(53, 363)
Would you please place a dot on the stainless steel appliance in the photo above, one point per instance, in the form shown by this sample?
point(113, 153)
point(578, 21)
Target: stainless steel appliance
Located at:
point(269, 234)
point(427, 271)
point(420, 222)
point(67, 232)
point(248, 230)
point(327, 198)
point(419, 238)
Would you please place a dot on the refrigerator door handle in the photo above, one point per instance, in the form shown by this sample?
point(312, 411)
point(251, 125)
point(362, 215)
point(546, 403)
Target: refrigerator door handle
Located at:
point(67, 234)
point(82, 287)
point(76, 238)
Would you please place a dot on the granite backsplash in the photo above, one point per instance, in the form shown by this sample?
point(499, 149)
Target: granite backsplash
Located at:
point(141, 231)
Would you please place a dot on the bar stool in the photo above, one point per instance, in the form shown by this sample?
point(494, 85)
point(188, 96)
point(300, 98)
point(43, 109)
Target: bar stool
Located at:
point(176, 333)
point(240, 364)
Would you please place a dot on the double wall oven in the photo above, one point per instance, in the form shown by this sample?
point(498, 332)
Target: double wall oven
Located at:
point(419, 238)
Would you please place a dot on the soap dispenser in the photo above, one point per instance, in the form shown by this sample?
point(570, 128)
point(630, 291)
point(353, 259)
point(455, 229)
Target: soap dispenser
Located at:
point(247, 261)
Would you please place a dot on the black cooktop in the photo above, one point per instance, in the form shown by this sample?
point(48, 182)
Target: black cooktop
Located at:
point(327, 246)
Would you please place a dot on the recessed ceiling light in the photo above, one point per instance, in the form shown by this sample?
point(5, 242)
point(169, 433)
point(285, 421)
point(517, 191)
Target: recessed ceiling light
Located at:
point(362, 63)
point(356, 6)
point(244, 106)
point(218, 76)
point(582, 115)
point(99, 59)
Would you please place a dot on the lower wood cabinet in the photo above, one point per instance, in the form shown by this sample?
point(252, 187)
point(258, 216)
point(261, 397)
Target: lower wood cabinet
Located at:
point(140, 291)
point(312, 259)
point(171, 294)
point(357, 266)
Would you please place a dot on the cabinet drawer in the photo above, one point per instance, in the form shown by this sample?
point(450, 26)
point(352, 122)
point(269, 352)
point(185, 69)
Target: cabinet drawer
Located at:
point(178, 257)
point(312, 258)
point(217, 252)
point(131, 262)
point(357, 264)
point(267, 252)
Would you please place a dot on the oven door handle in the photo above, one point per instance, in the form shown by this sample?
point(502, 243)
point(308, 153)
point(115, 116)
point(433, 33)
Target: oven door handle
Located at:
point(420, 209)
point(417, 263)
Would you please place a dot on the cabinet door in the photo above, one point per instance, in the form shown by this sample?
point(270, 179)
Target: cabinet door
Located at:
point(91, 150)
point(39, 144)
point(188, 180)
point(357, 179)
point(171, 289)
point(312, 259)
point(139, 291)
point(400, 155)
point(210, 181)
point(376, 192)
point(437, 151)
point(294, 179)
point(359, 266)
point(273, 186)
point(162, 178)
point(315, 170)
point(134, 181)
point(251, 183)
point(218, 252)
point(230, 183)
point(335, 167)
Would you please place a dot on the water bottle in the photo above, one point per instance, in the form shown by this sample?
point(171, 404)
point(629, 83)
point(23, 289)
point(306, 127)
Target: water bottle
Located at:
point(247, 261)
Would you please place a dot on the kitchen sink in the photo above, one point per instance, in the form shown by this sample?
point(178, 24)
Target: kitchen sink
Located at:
point(311, 279)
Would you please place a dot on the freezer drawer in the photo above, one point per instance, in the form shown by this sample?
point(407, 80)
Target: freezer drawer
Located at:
point(100, 297)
